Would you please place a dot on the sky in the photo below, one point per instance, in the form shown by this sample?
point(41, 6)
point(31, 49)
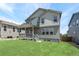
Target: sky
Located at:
point(18, 12)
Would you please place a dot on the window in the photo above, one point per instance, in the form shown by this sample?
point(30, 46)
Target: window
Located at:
point(51, 33)
point(5, 28)
point(55, 18)
point(43, 33)
point(19, 30)
point(42, 20)
point(13, 29)
point(77, 22)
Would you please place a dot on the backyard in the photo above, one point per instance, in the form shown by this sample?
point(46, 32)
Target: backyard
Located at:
point(32, 48)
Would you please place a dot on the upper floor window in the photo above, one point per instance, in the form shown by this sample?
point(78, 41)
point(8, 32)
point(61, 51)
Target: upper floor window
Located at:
point(5, 28)
point(55, 18)
point(38, 21)
point(13, 29)
point(42, 20)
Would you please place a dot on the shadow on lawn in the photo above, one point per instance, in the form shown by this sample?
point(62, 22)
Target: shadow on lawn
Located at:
point(74, 44)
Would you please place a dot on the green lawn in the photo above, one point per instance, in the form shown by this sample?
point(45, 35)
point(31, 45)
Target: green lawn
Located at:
point(31, 48)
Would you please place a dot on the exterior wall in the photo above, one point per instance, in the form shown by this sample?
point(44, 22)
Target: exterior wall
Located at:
point(55, 30)
point(74, 28)
point(48, 25)
point(49, 19)
point(9, 32)
point(34, 21)
point(37, 14)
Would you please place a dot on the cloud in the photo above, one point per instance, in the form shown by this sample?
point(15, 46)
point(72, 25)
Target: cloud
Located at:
point(8, 19)
point(6, 8)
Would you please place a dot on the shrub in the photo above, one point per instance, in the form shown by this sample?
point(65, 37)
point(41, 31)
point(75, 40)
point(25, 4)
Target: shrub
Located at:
point(66, 38)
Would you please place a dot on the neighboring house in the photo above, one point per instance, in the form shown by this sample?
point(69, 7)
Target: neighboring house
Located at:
point(45, 24)
point(74, 27)
point(8, 30)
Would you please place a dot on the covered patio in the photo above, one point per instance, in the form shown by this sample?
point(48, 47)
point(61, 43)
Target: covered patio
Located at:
point(28, 31)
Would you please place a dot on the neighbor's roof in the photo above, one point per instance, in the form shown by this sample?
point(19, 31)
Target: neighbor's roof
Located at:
point(45, 10)
point(72, 18)
point(7, 23)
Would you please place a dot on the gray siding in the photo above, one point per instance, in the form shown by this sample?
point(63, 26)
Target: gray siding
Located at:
point(48, 25)
point(74, 28)
point(9, 31)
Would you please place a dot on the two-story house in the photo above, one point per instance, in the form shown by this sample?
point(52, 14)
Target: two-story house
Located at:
point(8, 29)
point(74, 27)
point(44, 24)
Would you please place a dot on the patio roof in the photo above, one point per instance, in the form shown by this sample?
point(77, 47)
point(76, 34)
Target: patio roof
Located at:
point(24, 25)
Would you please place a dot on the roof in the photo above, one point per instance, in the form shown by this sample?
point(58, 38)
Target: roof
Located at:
point(7, 23)
point(45, 10)
point(72, 18)
point(24, 25)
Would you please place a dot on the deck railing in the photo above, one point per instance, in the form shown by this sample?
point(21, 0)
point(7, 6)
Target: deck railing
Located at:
point(29, 36)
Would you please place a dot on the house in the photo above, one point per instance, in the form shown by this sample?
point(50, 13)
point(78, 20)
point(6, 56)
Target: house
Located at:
point(44, 24)
point(74, 27)
point(8, 29)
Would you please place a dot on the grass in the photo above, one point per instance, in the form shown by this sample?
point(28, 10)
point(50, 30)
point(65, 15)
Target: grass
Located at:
point(31, 48)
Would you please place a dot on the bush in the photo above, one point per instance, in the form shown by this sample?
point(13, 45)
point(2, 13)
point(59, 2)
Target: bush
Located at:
point(66, 38)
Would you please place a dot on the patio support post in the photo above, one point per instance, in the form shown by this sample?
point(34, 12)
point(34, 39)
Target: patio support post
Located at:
point(33, 31)
point(25, 31)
